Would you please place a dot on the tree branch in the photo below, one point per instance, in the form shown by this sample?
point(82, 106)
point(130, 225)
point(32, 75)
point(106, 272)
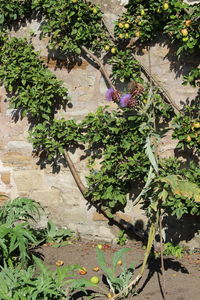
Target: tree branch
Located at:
point(101, 66)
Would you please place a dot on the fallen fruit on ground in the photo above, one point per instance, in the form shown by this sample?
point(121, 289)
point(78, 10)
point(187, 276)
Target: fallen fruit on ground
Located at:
point(110, 295)
point(96, 269)
point(99, 246)
point(94, 279)
point(59, 263)
point(82, 271)
point(119, 263)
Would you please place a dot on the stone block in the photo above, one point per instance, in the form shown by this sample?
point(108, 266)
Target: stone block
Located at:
point(5, 177)
point(15, 159)
point(22, 147)
point(3, 197)
point(98, 217)
point(48, 197)
point(29, 180)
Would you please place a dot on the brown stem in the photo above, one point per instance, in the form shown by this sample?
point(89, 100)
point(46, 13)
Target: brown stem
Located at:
point(74, 173)
point(161, 256)
point(115, 219)
point(100, 64)
point(158, 84)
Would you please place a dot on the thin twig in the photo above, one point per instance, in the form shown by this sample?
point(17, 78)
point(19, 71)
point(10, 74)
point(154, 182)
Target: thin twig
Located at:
point(161, 256)
point(100, 64)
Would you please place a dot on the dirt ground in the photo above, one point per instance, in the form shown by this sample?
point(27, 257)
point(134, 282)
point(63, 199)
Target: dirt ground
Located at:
point(182, 276)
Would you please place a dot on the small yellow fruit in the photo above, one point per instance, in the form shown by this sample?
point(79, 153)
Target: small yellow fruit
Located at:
point(196, 125)
point(107, 48)
point(140, 23)
point(127, 26)
point(121, 36)
point(126, 35)
point(110, 295)
point(120, 25)
point(99, 246)
point(119, 263)
point(184, 32)
point(59, 263)
point(137, 34)
point(96, 269)
point(82, 271)
point(189, 139)
point(185, 39)
point(94, 10)
point(74, 1)
point(94, 279)
point(165, 6)
point(142, 12)
point(188, 23)
point(144, 100)
point(113, 50)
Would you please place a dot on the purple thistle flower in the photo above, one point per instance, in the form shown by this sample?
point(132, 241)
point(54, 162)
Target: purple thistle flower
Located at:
point(124, 101)
point(110, 93)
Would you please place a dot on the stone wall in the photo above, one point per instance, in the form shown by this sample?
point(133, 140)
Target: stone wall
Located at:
point(20, 175)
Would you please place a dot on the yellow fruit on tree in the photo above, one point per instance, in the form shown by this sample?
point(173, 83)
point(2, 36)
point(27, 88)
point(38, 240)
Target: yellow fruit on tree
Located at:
point(126, 35)
point(137, 34)
point(120, 25)
point(94, 10)
point(189, 139)
point(184, 32)
point(113, 50)
point(127, 26)
point(107, 48)
point(74, 1)
point(196, 125)
point(121, 36)
point(142, 12)
point(185, 39)
point(188, 23)
point(165, 6)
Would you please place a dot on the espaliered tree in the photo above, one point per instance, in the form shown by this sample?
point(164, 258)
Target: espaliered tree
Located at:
point(126, 139)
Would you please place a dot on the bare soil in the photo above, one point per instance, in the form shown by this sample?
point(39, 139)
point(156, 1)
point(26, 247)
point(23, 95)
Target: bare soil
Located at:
point(182, 276)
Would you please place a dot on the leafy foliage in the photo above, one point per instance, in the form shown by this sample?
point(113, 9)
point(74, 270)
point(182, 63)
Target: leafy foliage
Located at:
point(72, 24)
point(187, 127)
point(13, 10)
point(26, 78)
point(19, 209)
point(171, 250)
point(177, 195)
point(21, 284)
point(125, 67)
point(58, 236)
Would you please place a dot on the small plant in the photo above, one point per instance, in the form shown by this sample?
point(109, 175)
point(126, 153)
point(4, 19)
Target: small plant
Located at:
point(19, 209)
point(122, 238)
point(56, 236)
point(27, 284)
point(117, 283)
point(171, 250)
